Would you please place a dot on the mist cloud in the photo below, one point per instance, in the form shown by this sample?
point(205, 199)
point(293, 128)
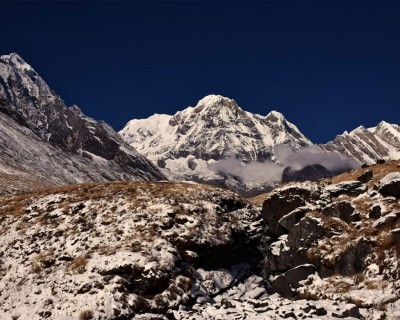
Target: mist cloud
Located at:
point(285, 156)
point(249, 172)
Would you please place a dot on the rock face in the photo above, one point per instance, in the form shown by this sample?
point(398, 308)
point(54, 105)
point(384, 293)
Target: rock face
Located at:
point(342, 210)
point(186, 144)
point(313, 172)
point(367, 145)
point(43, 138)
point(391, 189)
point(323, 236)
point(281, 203)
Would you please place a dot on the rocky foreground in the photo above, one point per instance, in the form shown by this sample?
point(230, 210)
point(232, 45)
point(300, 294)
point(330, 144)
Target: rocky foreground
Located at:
point(160, 250)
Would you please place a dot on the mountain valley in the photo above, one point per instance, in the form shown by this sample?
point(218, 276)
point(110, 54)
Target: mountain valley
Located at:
point(211, 213)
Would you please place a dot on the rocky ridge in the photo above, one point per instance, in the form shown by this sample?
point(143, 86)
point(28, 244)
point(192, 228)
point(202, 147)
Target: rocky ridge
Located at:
point(367, 145)
point(43, 140)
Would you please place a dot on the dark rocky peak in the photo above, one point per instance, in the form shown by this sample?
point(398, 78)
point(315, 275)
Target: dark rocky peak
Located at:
point(312, 172)
point(25, 97)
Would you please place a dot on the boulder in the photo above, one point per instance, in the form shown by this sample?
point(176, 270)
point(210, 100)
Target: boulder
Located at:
point(281, 285)
point(391, 189)
point(385, 220)
point(293, 217)
point(351, 261)
point(342, 210)
point(299, 273)
point(350, 188)
point(353, 312)
point(366, 176)
point(307, 233)
point(375, 212)
point(280, 257)
point(286, 283)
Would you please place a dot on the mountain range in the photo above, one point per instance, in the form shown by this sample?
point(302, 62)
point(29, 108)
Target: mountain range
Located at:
point(45, 143)
point(218, 142)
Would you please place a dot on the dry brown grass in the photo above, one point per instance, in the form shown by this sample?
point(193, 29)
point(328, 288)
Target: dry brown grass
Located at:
point(78, 265)
point(378, 170)
point(375, 284)
point(86, 315)
point(37, 262)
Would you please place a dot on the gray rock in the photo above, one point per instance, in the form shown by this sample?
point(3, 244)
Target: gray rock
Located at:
point(287, 283)
point(313, 172)
point(306, 233)
point(351, 261)
point(286, 260)
point(293, 217)
point(350, 188)
point(386, 220)
point(342, 210)
point(300, 273)
point(281, 203)
point(281, 285)
point(352, 312)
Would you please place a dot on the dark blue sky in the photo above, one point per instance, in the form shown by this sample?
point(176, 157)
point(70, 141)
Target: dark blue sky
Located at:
point(327, 66)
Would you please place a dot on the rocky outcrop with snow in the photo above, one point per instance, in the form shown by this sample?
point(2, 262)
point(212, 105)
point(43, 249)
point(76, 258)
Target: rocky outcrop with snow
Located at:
point(338, 239)
point(139, 250)
point(185, 144)
point(367, 145)
point(42, 139)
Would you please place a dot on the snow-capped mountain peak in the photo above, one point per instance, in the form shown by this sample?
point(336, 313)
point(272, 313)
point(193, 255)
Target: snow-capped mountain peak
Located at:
point(16, 61)
point(275, 116)
point(216, 100)
point(184, 144)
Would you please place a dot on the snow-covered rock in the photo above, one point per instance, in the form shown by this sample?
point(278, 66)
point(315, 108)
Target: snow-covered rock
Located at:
point(119, 249)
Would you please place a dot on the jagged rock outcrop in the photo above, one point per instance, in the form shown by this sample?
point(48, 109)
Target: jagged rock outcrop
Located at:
point(42, 138)
point(336, 240)
point(283, 201)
